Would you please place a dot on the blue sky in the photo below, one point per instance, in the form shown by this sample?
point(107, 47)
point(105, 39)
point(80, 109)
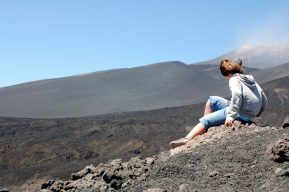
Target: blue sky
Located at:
point(42, 39)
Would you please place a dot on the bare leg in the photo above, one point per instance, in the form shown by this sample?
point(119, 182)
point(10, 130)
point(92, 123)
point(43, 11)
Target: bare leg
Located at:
point(199, 129)
point(208, 108)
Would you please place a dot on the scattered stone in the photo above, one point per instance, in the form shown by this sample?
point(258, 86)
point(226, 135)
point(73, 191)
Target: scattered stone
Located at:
point(278, 170)
point(183, 188)
point(282, 172)
point(116, 183)
point(4, 190)
point(57, 186)
point(259, 175)
point(82, 173)
point(101, 186)
point(128, 183)
point(213, 174)
point(47, 184)
point(286, 122)
point(155, 190)
point(229, 175)
point(150, 160)
point(279, 151)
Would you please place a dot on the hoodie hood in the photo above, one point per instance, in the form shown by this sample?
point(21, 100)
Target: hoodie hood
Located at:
point(246, 79)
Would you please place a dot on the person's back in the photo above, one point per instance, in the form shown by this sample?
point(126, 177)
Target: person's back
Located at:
point(253, 98)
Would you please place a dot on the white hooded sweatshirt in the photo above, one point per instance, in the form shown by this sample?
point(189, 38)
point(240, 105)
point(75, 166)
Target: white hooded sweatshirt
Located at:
point(247, 97)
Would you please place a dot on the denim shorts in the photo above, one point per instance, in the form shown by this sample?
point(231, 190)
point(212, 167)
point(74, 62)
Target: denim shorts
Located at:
point(219, 107)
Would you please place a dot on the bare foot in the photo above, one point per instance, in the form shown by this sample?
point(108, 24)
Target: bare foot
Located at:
point(179, 142)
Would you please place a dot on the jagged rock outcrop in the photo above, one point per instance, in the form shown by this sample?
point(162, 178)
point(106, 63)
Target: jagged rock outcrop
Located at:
point(279, 151)
point(113, 175)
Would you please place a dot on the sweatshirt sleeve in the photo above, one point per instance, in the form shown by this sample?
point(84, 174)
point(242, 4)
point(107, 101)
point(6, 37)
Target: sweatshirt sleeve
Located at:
point(236, 99)
point(264, 101)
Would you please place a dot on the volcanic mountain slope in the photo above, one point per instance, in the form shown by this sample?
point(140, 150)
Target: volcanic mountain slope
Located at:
point(270, 74)
point(277, 92)
point(149, 87)
point(142, 88)
point(257, 56)
point(155, 86)
point(53, 148)
point(261, 76)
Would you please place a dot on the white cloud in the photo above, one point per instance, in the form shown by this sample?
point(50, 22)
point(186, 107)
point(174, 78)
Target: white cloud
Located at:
point(271, 30)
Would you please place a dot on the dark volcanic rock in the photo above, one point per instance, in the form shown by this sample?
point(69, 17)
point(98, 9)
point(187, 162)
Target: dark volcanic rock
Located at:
point(82, 173)
point(47, 184)
point(286, 122)
point(282, 172)
point(113, 175)
point(280, 150)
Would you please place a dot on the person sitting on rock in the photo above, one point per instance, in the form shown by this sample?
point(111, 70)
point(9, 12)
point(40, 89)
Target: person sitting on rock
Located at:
point(247, 101)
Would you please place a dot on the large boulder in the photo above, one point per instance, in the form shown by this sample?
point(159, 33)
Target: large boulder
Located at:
point(279, 151)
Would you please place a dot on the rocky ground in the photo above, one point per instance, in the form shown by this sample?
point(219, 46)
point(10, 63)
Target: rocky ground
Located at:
point(35, 150)
point(241, 158)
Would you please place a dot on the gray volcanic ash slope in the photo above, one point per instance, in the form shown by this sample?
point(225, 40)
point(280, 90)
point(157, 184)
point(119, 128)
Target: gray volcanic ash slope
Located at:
point(142, 88)
point(155, 86)
point(270, 74)
point(167, 84)
point(277, 92)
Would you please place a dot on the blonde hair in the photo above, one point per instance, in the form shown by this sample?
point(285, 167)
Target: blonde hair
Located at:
point(228, 66)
